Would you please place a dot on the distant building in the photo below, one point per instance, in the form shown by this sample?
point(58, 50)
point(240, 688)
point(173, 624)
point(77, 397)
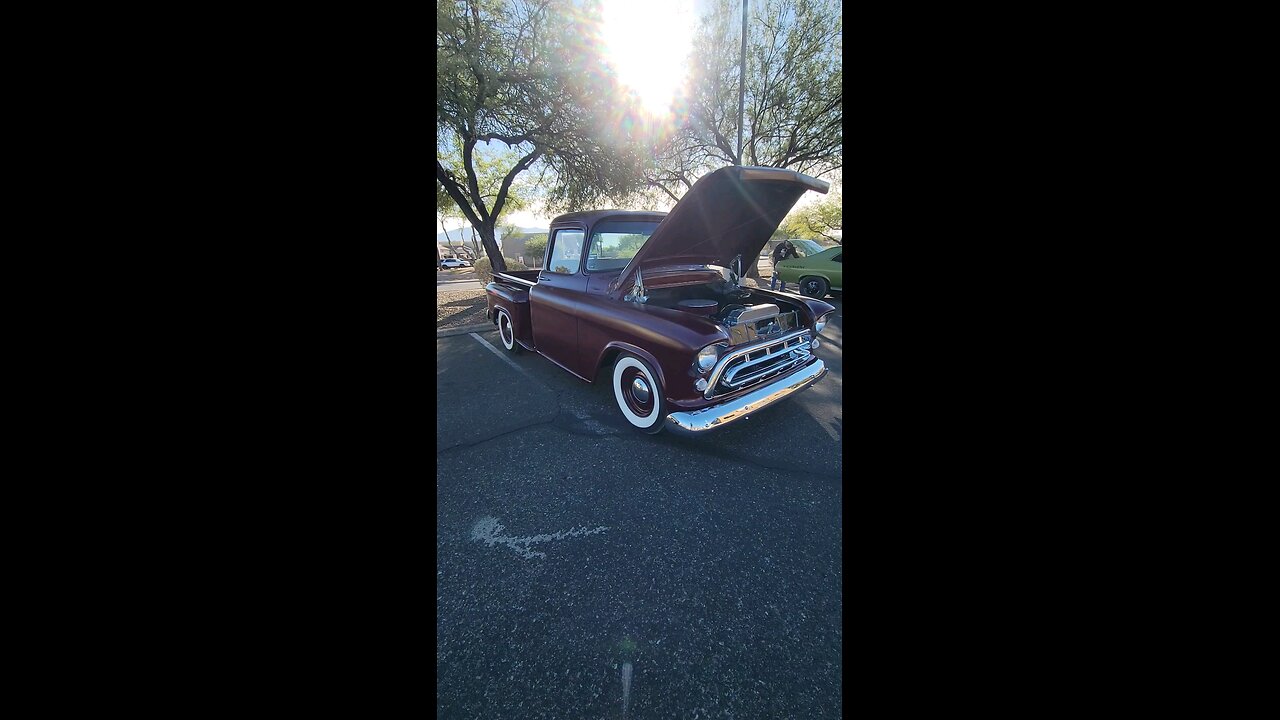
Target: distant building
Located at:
point(512, 246)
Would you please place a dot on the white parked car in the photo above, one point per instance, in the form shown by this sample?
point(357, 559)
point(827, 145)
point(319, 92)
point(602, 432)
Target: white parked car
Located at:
point(454, 263)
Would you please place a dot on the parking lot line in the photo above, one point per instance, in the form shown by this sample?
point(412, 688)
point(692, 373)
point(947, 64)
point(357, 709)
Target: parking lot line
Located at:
point(504, 358)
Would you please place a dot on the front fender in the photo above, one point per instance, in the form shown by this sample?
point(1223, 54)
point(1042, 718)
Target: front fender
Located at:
point(816, 308)
point(637, 351)
point(668, 340)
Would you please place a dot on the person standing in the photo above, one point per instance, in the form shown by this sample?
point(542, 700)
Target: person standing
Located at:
point(783, 251)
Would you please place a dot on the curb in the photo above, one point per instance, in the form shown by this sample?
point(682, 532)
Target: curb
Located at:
point(487, 327)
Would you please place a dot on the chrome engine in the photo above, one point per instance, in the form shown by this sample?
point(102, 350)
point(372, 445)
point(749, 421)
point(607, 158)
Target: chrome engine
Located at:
point(749, 313)
point(748, 323)
point(764, 340)
point(730, 305)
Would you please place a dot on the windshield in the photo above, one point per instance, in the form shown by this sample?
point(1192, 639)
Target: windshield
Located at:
point(613, 244)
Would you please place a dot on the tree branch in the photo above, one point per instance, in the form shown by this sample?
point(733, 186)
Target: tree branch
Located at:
point(520, 167)
point(473, 184)
point(658, 184)
point(452, 187)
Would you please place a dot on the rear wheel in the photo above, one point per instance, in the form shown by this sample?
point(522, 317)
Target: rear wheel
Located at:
point(507, 332)
point(639, 394)
point(814, 287)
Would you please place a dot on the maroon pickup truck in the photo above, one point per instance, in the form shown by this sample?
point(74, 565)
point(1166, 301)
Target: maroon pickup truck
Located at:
point(656, 296)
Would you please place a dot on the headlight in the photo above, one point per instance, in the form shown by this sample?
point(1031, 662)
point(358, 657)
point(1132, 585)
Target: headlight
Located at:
point(707, 358)
point(822, 322)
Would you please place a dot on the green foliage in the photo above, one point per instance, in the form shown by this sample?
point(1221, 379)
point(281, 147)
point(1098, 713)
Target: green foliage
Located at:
point(490, 165)
point(822, 220)
point(536, 247)
point(484, 268)
point(445, 206)
point(630, 245)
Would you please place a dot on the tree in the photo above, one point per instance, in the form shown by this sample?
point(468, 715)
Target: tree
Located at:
point(489, 167)
point(514, 72)
point(793, 107)
point(822, 219)
point(535, 249)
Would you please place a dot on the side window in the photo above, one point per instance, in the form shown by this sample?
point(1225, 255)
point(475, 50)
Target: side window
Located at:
point(837, 258)
point(566, 252)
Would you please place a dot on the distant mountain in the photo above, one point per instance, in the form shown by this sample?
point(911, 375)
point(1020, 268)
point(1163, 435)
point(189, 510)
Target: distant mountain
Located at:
point(467, 232)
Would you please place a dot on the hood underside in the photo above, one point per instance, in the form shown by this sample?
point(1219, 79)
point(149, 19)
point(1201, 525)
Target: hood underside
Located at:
point(730, 212)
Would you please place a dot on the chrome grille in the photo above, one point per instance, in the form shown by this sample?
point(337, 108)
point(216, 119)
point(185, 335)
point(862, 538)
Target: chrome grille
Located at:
point(749, 366)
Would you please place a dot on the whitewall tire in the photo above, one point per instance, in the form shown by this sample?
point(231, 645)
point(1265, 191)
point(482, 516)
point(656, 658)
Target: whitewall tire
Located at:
point(507, 332)
point(639, 394)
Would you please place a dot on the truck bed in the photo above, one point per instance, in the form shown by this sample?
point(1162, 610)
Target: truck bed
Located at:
point(519, 278)
point(509, 291)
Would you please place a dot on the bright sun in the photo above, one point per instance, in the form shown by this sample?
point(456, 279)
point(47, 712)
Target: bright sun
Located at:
point(648, 43)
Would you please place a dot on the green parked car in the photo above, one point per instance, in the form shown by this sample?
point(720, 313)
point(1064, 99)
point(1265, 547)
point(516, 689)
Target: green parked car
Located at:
point(816, 274)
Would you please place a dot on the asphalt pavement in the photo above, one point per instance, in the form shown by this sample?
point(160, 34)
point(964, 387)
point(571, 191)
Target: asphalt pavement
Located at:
point(583, 566)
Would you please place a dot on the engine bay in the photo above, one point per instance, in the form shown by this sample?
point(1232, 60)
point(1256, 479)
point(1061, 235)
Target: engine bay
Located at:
point(745, 315)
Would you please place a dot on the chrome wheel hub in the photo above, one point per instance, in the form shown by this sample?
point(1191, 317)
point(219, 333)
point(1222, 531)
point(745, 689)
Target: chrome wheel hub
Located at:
point(640, 390)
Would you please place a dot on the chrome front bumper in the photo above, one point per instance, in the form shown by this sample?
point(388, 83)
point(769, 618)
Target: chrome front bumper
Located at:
point(717, 416)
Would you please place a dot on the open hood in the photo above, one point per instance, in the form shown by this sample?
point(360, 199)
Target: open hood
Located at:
point(732, 211)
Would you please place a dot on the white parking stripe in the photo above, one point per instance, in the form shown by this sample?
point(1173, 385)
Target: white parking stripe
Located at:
point(502, 355)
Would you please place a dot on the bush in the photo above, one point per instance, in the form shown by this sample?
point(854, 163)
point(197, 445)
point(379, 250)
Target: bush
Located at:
point(484, 269)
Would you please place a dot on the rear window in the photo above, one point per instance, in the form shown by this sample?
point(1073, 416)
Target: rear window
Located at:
point(566, 252)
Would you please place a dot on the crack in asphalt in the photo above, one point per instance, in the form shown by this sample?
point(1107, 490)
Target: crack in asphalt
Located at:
point(495, 436)
point(549, 421)
point(569, 427)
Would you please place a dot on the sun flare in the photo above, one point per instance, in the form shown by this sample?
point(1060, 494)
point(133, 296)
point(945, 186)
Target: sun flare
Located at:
point(648, 44)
